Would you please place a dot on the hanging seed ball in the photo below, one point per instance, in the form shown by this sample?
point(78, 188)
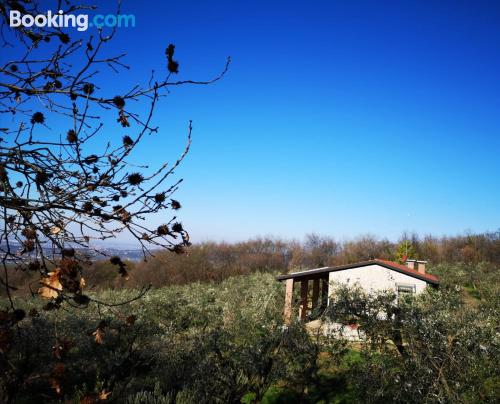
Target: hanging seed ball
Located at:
point(127, 141)
point(160, 197)
point(88, 88)
point(175, 204)
point(29, 233)
point(125, 216)
point(123, 194)
point(116, 198)
point(37, 118)
point(64, 38)
point(41, 178)
point(13, 68)
point(119, 101)
point(19, 184)
point(162, 230)
point(177, 227)
point(173, 66)
point(71, 136)
point(87, 206)
point(57, 84)
point(135, 179)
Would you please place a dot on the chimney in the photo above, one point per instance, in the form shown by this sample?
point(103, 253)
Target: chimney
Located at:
point(421, 266)
point(410, 264)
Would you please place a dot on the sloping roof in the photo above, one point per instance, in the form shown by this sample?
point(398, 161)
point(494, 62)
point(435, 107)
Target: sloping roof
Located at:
point(312, 273)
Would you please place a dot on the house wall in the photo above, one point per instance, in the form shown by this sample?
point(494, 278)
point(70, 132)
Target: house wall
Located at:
point(375, 278)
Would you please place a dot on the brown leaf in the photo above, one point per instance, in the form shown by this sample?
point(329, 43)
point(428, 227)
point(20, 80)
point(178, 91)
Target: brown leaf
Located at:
point(99, 336)
point(51, 285)
point(55, 230)
point(103, 395)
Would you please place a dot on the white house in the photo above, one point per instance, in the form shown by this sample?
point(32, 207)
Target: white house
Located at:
point(373, 275)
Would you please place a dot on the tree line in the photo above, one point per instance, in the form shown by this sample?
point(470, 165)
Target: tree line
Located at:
point(212, 261)
point(216, 261)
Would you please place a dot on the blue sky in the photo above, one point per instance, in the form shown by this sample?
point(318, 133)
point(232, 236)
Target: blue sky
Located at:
point(336, 117)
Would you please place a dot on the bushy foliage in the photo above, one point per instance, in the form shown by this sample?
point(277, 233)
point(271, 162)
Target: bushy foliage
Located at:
point(225, 342)
point(205, 342)
point(436, 347)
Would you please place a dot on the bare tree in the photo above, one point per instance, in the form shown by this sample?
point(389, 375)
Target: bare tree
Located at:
point(61, 189)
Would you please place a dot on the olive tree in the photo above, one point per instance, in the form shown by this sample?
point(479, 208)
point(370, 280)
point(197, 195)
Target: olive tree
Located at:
point(430, 348)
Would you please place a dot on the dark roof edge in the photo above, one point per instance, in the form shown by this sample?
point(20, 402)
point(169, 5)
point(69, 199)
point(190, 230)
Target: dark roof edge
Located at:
point(312, 272)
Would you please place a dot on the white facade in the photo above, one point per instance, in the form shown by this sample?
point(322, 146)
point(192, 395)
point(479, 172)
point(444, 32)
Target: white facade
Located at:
point(376, 278)
point(371, 278)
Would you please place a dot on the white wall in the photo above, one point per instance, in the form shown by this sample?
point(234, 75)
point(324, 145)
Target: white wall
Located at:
point(375, 278)
point(371, 278)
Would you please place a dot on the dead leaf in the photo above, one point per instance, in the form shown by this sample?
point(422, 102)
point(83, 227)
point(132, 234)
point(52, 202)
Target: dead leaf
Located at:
point(51, 285)
point(104, 395)
point(99, 336)
point(82, 283)
point(55, 230)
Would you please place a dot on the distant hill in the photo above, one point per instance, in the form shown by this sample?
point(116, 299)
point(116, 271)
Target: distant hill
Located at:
point(98, 253)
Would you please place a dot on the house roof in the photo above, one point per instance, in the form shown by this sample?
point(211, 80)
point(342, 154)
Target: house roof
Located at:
point(313, 273)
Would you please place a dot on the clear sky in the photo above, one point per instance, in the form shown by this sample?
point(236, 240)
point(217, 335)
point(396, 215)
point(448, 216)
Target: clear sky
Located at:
point(336, 117)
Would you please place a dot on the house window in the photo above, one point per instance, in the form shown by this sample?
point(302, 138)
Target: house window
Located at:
point(404, 289)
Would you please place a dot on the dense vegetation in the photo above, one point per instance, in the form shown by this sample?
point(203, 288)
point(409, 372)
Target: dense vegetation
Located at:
point(217, 261)
point(225, 342)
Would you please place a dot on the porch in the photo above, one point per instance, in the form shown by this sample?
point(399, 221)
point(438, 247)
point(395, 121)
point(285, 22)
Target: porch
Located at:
point(313, 296)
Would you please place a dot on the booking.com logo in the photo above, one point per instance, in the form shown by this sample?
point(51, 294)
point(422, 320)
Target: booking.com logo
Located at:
point(80, 22)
